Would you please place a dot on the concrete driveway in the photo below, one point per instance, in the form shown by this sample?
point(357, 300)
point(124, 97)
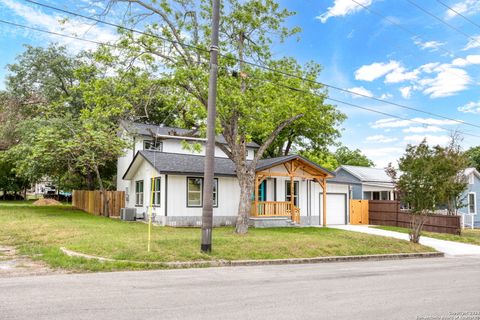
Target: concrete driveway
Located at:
point(450, 248)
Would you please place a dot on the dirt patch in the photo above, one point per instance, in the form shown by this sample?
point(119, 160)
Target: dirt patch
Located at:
point(14, 265)
point(47, 202)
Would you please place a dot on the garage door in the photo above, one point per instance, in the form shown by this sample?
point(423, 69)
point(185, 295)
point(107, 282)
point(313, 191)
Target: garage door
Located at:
point(336, 208)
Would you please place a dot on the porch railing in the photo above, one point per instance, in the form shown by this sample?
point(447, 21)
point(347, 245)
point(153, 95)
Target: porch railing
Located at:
point(275, 209)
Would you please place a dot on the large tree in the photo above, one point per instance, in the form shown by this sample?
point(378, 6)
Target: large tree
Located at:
point(63, 112)
point(253, 104)
point(342, 156)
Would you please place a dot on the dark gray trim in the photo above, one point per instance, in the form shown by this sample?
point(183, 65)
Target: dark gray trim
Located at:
point(201, 197)
point(166, 194)
point(308, 199)
point(151, 191)
point(298, 188)
point(274, 189)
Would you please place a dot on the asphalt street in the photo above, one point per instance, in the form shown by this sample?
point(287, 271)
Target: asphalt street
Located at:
point(403, 289)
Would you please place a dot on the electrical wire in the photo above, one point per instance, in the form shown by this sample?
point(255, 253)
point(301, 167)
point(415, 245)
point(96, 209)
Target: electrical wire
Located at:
point(259, 65)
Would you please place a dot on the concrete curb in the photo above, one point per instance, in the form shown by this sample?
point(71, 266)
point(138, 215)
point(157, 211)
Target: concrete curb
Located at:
point(234, 263)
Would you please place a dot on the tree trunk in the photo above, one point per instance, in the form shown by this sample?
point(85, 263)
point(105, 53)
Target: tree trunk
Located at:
point(90, 181)
point(416, 225)
point(103, 194)
point(246, 188)
point(287, 149)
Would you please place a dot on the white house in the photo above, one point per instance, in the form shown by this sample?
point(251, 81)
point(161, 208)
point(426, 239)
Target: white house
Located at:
point(160, 156)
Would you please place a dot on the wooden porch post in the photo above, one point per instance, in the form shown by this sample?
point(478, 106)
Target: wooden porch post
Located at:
point(292, 190)
point(324, 187)
point(255, 209)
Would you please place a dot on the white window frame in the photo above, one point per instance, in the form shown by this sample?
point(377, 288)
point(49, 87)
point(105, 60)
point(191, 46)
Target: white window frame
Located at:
point(157, 145)
point(139, 194)
point(156, 193)
point(474, 203)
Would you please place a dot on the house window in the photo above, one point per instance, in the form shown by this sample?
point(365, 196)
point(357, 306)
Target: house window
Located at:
point(195, 192)
point(152, 145)
point(295, 192)
point(367, 195)
point(385, 195)
point(156, 191)
point(139, 193)
point(472, 203)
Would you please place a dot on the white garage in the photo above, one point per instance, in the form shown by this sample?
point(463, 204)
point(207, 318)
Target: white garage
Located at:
point(337, 210)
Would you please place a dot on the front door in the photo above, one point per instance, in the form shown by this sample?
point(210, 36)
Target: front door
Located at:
point(262, 191)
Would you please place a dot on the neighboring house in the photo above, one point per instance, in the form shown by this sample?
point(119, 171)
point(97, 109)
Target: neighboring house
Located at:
point(366, 183)
point(177, 173)
point(470, 201)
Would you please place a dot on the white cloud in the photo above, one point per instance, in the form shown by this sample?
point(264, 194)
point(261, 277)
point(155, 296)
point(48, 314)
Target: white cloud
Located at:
point(471, 107)
point(383, 156)
point(400, 75)
point(380, 138)
point(406, 92)
point(423, 129)
point(386, 96)
point(72, 26)
point(362, 91)
point(468, 60)
point(466, 7)
point(432, 140)
point(375, 70)
point(473, 43)
point(447, 82)
point(432, 45)
point(341, 8)
point(399, 123)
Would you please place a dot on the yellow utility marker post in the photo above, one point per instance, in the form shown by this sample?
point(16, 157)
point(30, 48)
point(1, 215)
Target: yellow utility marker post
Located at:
point(152, 193)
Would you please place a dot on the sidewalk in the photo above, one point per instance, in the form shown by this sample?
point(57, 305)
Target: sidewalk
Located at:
point(450, 248)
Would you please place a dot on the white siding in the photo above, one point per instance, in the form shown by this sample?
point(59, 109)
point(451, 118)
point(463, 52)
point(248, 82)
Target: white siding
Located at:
point(228, 197)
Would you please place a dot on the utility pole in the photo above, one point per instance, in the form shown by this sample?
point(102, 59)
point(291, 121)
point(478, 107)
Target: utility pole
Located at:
point(207, 211)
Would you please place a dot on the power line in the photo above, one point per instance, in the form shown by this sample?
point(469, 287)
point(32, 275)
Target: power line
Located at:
point(262, 66)
point(443, 21)
point(412, 33)
point(281, 72)
point(459, 14)
point(278, 84)
point(363, 108)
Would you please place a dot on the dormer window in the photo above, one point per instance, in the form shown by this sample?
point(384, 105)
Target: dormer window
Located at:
point(152, 145)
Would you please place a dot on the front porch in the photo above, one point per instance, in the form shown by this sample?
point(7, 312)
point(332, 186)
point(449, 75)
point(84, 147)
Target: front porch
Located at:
point(297, 172)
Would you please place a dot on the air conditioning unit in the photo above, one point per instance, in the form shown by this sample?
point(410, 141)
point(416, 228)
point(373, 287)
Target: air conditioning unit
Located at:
point(128, 214)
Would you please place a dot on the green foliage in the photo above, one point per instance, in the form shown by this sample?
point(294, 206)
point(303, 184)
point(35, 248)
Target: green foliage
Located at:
point(342, 156)
point(9, 181)
point(430, 176)
point(473, 155)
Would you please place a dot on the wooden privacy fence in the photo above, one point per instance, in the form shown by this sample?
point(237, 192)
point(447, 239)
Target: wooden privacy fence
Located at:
point(388, 213)
point(93, 202)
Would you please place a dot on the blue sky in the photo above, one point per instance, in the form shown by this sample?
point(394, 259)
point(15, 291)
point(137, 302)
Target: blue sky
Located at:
point(437, 71)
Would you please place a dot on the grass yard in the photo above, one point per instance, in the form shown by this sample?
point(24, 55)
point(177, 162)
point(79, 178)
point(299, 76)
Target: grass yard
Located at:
point(40, 231)
point(468, 235)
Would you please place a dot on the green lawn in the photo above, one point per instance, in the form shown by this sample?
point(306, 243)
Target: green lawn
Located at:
point(467, 236)
point(41, 231)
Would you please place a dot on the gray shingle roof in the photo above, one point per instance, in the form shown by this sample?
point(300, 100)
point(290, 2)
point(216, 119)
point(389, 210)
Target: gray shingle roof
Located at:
point(179, 163)
point(186, 164)
point(367, 174)
point(147, 130)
